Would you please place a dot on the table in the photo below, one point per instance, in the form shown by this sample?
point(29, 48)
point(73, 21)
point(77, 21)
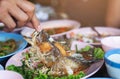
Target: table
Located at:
point(102, 72)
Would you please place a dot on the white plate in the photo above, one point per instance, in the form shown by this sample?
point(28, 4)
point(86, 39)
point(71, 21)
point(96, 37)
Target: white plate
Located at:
point(103, 30)
point(53, 24)
point(95, 66)
point(85, 31)
point(16, 60)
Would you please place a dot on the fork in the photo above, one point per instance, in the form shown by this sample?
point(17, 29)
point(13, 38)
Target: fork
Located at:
point(98, 37)
point(98, 34)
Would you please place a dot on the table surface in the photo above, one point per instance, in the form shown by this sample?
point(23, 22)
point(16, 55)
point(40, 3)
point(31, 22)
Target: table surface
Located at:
point(102, 72)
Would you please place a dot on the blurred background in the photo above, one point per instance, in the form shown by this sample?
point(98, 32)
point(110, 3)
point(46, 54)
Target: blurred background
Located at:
point(87, 12)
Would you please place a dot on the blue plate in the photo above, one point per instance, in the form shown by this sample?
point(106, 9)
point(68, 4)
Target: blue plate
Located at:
point(21, 43)
point(1, 67)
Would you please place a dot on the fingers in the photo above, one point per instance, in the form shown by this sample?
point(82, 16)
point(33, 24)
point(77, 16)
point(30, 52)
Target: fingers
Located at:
point(20, 16)
point(35, 23)
point(9, 22)
point(29, 24)
point(27, 7)
point(17, 13)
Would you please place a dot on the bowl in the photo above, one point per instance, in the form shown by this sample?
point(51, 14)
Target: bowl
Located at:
point(111, 42)
point(5, 74)
point(54, 27)
point(112, 62)
point(20, 43)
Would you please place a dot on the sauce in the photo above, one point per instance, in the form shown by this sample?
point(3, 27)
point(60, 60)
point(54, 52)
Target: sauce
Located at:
point(115, 58)
point(52, 31)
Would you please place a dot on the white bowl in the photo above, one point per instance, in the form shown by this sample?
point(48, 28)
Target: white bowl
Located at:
point(111, 42)
point(112, 62)
point(5, 74)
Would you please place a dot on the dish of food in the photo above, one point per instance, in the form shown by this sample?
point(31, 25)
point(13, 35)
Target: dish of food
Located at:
point(7, 47)
point(51, 59)
point(54, 27)
point(107, 31)
point(52, 31)
point(10, 43)
point(88, 35)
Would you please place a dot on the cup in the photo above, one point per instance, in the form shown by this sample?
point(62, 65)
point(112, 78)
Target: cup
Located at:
point(5, 74)
point(112, 62)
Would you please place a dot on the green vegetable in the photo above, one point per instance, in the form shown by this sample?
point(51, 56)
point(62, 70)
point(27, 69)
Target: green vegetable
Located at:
point(85, 49)
point(77, 51)
point(41, 76)
point(7, 47)
point(27, 56)
point(14, 68)
point(98, 53)
point(80, 75)
point(27, 74)
point(30, 74)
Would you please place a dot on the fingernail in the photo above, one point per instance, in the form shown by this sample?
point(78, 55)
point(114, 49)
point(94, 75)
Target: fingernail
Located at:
point(39, 28)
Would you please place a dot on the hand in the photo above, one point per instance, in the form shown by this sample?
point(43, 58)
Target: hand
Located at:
point(17, 13)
